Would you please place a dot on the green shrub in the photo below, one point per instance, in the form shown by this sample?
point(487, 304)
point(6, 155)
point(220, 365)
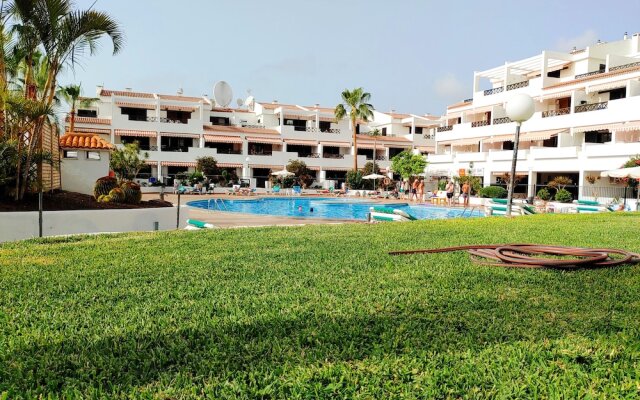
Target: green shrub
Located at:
point(497, 192)
point(544, 194)
point(354, 180)
point(132, 193)
point(196, 177)
point(563, 196)
point(104, 185)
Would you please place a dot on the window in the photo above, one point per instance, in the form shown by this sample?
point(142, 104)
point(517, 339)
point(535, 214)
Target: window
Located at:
point(551, 142)
point(508, 145)
point(418, 130)
point(178, 116)
point(88, 113)
point(134, 114)
point(384, 131)
point(224, 121)
point(597, 137)
point(325, 126)
point(554, 74)
point(71, 154)
point(93, 155)
point(616, 94)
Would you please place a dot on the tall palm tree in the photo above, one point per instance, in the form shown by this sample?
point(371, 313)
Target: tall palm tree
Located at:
point(71, 94)
point(355, 103)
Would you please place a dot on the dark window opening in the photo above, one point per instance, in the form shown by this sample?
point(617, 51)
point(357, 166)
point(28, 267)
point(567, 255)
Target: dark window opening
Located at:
point(143, 142)
point(224, 148)
point(169, 143)
point(178, 116)
point(551, 142)
point(134, 114)
point(394, 151)
point(357, 129)
point(330, 152)
point(597, 136)
point(418, 130)
point(508, 145)
point(224, 121)
point(87, 113)
point(553, 74)
point(260, 149)
point(302, 150)
point(324, 126)
point(366, 152)
point(384, 131)
point(616, 94)
point(298, 124)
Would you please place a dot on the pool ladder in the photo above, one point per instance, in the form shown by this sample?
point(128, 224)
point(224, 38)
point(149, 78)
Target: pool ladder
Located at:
point(217, 203)
point(471, 210)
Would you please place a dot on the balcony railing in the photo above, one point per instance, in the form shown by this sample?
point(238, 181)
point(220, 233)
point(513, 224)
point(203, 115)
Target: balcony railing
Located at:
point(156, 119)
point(501, 120)
point(553, 113)
point(257, 126)
point(381, 158)
point(444, 128)
point(312, 129)
point(309, 155)
point(592, 107)
point(476, 124)
point(518, 85)
point(489, 92)
point(336, 156)
point(600, 71)
point(625, 66)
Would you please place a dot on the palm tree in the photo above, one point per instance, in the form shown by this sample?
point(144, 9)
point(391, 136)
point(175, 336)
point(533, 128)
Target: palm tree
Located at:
point(357, 102)
point(71, 94)
point(374, 134)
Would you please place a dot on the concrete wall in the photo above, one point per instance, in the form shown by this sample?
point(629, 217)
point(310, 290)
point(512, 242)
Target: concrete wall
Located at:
point(79, 175)
point(24, 225)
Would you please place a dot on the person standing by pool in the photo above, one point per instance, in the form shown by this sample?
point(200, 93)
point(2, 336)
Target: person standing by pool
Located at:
point(465, 193)
point(407, 189)
point(414, 190)
point(449, 189)
point(421, 190)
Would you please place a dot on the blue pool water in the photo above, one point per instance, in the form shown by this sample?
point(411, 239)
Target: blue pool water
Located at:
point(324, 208)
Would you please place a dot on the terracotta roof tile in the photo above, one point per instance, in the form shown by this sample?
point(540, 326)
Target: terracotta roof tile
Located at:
point(84, 141)
point(106, 92)
point(180, 98)
point(223, 109)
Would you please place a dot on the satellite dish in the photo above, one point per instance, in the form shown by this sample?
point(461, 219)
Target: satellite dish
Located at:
point(222, 93)
point(249, 101)
point(239, 102)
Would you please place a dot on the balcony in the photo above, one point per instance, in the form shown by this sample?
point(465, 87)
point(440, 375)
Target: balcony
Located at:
point(444, 128)
point(156, 119)
point(554, 152)
point(518, 85)
point(553, 113)
point(600, 71)
point(501, 120)
point(313, 129)
point(333, 156)
point(489, 92)
point(309, 155)
point(592, 107)
point(476, 124)
point(625, 66)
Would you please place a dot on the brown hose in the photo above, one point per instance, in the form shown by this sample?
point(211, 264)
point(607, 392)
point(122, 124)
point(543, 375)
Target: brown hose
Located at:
point(524, 256)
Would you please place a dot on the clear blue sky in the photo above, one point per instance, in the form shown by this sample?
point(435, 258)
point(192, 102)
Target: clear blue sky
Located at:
point(412, 56)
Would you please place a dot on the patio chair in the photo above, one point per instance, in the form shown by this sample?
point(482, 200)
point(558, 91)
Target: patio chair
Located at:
point(275, 189)
point(297, 190)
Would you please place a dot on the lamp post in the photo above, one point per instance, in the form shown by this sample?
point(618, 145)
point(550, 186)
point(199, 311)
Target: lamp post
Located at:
point(519, 109)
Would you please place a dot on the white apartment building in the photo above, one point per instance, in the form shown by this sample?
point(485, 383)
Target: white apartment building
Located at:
point(587, 119)
point(175, 130)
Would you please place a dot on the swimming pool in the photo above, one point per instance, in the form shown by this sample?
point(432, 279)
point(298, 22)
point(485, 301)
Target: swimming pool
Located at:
point(331, 208)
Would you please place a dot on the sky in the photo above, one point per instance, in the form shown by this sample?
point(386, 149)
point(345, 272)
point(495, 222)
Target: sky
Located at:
point(412, 56)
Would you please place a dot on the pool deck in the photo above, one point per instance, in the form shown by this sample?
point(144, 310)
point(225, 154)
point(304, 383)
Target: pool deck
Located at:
point(237, 220)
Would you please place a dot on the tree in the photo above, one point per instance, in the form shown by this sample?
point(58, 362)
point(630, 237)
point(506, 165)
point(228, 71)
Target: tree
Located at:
point(370, 168)
point(374, 134)
point(300, 172)
point(207, 165)
point(354, 180)
point(407, 164)
point(355, 103)
point(71, 94)
point(126, 162)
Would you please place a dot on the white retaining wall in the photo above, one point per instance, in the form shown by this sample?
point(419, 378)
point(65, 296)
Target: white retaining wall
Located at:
point(24, 225)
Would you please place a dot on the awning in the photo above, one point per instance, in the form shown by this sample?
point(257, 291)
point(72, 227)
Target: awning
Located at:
point(498, 173)
point(580, 129)
point(266, 166)
point(136, 105)
point(327, 119)
point(606, 86)
point(370, 146)
point(91, 130)
point(181, 135)
point(222, 139)
point(540, 135)
point(428, 149)
point(301, 142)
point(400, 145)
point(178, 164)
point(128, 132)
point(461, 142)
point(229, 165)
point(336, 144)
point(314, 168)
point(262, 140)
point(337, 169)
point(178, 108)
point(500, 138)
point(556, 95)
point(151, 163)
point(629, 126)
point(298, 116)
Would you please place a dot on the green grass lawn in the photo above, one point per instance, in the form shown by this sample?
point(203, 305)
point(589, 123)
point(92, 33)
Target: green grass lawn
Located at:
point(320, 312)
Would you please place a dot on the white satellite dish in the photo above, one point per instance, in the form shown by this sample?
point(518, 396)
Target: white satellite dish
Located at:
point(249, 101)
point(222, 93)
point(239, 102)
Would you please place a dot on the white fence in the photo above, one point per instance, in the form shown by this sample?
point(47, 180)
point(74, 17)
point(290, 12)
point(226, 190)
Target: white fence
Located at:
point(24, 225)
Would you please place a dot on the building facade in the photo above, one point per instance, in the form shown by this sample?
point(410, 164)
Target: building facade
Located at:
point(250, 141)
point(587, 120)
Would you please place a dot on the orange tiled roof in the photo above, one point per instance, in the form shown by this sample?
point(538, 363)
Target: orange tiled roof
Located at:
point(223, 109)
point(593, 77)
point(84, 141)
point(239, 129)
point(180, 98)
point(106, 92)
point(273, 106)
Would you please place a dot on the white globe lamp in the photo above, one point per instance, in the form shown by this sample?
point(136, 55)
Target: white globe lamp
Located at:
point(519, 109)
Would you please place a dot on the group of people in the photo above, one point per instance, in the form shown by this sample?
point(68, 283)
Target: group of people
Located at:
point(414, 191)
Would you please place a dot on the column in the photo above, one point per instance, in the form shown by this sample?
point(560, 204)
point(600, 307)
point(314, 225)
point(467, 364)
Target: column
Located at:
point(112, 136)
point(320, 150)
point(318, 119)
point(531, 190)
point(580, 184)
point(281, 118)
point(322, 176)
point(284, 147)
point(201, 142)
point(160, 175)
point(543, 69)
point(159, 141)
